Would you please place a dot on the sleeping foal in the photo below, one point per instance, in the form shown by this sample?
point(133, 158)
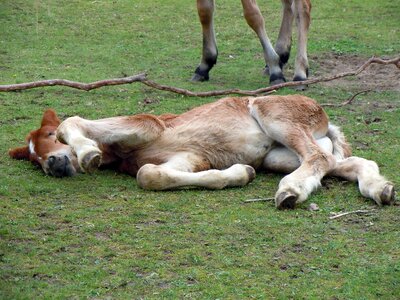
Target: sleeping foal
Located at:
point(214, 146)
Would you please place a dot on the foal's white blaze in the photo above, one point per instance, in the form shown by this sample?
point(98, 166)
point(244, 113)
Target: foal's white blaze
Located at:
point(31, 147)
point(32, 150)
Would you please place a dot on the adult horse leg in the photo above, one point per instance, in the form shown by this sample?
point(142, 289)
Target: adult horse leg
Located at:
point(284, 42)
point(255, 20)
point(302, 10)
point(205, 9)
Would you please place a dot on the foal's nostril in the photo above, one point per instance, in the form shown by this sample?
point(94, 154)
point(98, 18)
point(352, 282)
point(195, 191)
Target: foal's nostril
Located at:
point(51, 160)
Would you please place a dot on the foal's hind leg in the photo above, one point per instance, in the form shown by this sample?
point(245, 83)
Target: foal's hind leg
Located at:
point(315, 164)
point(86, 136)
point(295, 122)
point(371, 184)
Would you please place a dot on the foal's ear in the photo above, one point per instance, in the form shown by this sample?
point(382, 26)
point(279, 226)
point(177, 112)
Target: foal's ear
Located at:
point(50, 118)
point(19, 153)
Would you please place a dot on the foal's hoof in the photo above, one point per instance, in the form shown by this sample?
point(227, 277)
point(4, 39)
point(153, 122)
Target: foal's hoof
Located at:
point(286, 200)
point(91, 161)
point(251, 173)
point(388, 195)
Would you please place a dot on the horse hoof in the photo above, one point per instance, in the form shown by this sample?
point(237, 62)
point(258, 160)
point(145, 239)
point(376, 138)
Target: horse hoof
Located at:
point(91, 161)
point(275, 79)
point(388, 195)
point(251, 173)
point(286, 200)
point(199, 78)
point(300, 88)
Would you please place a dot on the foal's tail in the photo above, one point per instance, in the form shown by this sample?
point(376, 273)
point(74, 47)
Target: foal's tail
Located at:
point(341, 149)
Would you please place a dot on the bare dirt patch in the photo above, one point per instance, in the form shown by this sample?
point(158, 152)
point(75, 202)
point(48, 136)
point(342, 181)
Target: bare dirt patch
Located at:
point(375, 77)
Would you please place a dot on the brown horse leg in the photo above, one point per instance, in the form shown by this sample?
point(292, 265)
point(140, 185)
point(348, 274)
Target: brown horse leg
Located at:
point(302, 12)
point(205, 10)
point(284, 42)
point(255, 20)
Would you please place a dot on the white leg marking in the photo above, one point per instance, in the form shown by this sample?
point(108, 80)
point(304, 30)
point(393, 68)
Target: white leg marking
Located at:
point(161, 177)
point(371, 184)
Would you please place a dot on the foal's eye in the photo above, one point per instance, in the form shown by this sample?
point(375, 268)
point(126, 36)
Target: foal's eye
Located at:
point(51, 133)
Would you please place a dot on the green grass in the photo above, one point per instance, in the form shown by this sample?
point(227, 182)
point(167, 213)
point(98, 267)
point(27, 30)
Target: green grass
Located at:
point(101, 237)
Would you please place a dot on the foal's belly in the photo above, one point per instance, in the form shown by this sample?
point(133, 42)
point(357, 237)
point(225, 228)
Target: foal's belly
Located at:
point(244, 145)
point(221, 140)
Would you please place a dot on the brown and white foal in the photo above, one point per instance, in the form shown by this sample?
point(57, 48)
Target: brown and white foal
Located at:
point(214, 146)
point(276, 57)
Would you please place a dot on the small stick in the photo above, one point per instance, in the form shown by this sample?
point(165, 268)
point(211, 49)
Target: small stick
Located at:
point(258, 200)
point(348, 101)
point(360, 211)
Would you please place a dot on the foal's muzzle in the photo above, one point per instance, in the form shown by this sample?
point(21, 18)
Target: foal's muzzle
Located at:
point(60, 166)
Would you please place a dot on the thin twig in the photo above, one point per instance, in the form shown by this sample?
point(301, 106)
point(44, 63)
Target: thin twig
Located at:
point(258, 200)
point(350, 100)
point(143, 79)
point(360, 211)
point(347, 102)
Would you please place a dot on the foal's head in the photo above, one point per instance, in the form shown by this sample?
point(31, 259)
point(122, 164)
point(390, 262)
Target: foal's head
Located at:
point(44, 149)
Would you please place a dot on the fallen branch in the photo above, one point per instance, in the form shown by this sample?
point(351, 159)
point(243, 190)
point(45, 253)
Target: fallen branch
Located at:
point(360, 211)
point(258, 200)
point(143, 79)
point(73, 84)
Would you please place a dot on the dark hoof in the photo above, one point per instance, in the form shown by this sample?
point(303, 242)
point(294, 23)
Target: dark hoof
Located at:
point(301, 87)
point(275, 79)
point(91, 162)
point(388, 195)
point(286, 200)
point(201, 75)
point(199, 78)
point(251, 173)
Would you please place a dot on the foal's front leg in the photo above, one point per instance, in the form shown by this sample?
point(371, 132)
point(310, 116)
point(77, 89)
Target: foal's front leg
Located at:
point(86, 136)
point(178, 172)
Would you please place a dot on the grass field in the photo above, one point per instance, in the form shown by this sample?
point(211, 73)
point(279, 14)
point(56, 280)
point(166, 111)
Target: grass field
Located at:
point(101, 237)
